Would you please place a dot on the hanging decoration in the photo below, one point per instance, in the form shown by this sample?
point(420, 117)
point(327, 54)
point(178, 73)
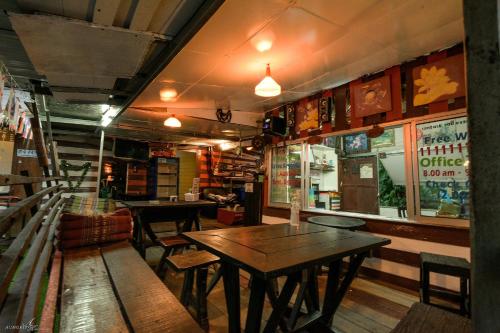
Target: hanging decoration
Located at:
point(223, 117)
point(13, 110)
point(65, 167)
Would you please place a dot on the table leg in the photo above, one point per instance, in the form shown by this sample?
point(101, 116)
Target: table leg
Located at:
point(334, 293)
point(272, 292)
point(312, 292)
point(231, 278)
point(138, 235)
point(215, 278)
point(255, 305)
point(282, 302)
point(197, 223)
point(301, 295)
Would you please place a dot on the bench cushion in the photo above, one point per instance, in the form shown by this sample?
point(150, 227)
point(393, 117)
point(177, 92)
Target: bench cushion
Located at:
point(89, 205)
point(423, 318)
point(76, 230)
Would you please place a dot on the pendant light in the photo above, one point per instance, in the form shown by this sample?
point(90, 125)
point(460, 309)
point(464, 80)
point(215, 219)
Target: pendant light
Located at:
point(172, 122)
point(268, 87)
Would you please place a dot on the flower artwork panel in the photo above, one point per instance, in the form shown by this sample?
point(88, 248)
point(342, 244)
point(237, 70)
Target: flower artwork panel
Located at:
point(307, 115)
point(356, 143)
point(439, 81)
point(372, 97)
point(387, 139)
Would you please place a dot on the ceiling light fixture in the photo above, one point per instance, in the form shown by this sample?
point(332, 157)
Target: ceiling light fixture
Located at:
point(168, 94)
point(268, 87)
point(264, 45)
point(172, 122)
point(226, 146)
point(108, 115)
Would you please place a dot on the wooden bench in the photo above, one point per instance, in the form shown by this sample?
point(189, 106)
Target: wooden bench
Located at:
point(103, 289)
point(423, 318)
point(454, 266)
point(190, 263)
point(112, 288)
point(24, 263)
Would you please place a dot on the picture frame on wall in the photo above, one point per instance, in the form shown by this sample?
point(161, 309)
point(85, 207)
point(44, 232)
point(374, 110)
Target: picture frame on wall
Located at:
point(387, 139)
point(307, 115)
point(356, 143)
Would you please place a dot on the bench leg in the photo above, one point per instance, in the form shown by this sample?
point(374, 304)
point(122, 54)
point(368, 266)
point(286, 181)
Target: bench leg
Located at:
point(201, 297)
point(424, 284)
point(187, 287)
point(463, 295)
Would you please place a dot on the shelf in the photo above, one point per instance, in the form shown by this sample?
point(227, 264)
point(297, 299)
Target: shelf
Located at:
point(166, 185)
point(167, 173)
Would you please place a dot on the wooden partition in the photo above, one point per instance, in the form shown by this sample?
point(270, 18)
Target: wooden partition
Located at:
point(28, 255)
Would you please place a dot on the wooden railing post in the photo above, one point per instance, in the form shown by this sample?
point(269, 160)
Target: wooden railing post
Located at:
point(41, 151)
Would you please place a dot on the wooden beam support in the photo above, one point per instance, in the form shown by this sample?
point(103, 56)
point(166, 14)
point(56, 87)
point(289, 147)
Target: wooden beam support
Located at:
point(481, 20)
point(105, 11)
point(143, 14)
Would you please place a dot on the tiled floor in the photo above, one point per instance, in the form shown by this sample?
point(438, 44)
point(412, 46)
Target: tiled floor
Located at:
point(368, 307)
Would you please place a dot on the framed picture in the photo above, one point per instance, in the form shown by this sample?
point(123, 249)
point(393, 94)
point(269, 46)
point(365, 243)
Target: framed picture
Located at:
point(385, 140)
point(356, 143)
point(372, 97)
point(439, 81)
point(307, 115)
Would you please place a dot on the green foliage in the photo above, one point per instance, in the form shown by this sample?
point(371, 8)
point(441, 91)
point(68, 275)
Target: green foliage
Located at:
point(65, 167)
point(390, 195)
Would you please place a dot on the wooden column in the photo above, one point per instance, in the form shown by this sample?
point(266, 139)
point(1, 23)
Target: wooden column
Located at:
point(481, 20)
point(41, 151)
point(99, 167)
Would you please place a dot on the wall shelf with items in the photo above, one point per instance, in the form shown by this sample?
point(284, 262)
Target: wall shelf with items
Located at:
point(164, 180)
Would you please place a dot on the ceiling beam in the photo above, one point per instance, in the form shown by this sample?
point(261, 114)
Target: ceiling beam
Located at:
point(85, 90)
point(170, 50)
point(238, 117)
point(74, 121)
point(105, 11)
point(143, 14)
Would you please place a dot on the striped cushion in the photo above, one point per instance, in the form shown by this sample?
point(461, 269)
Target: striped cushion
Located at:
point(89, 206)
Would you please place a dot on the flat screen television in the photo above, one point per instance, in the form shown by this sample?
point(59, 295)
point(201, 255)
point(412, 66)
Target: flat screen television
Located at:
point(131, 149)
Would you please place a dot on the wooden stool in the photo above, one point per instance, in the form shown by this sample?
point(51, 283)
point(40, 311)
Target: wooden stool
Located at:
point(453, 266)
point(189, 263)
point(422, 318)
point(169, 245)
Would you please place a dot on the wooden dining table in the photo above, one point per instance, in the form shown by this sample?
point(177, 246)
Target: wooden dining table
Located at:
point(336, 221)
point(146, 212)
point(270, 251)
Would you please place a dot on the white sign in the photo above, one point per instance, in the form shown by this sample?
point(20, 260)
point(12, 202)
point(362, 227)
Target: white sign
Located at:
point(26, 153)
point(366, 171)
point(442, 150)
point(249, 187)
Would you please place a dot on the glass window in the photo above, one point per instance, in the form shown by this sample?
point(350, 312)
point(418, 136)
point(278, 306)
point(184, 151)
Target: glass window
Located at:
point(443, 168)
point(285, 173)
point(357, 174)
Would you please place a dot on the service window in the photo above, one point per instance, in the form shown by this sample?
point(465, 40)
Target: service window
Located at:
point(354, 173)
point(285, 173)
point(443, 168)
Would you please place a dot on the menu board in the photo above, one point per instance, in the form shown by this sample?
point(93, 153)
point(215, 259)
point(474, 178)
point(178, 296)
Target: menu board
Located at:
point(285, 173)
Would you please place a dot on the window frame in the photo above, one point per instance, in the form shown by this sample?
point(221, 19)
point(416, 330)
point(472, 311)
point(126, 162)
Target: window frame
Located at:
point(411, 172)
